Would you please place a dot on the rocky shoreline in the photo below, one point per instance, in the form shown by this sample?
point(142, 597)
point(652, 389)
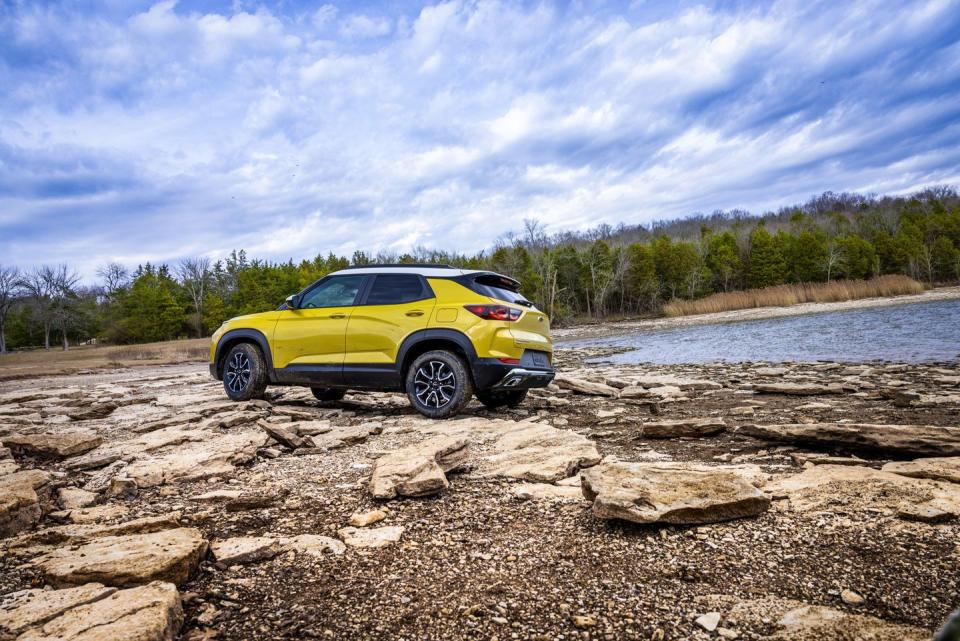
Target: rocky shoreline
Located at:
point(718, 501)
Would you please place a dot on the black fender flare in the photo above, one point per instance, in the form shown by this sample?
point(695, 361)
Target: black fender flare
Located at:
point(253, 334)
point(433, 334)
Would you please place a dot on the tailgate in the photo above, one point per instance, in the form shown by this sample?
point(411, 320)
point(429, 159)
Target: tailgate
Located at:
point(532, 331)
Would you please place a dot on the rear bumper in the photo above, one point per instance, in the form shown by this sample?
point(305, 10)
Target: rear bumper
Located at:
point(489, 373)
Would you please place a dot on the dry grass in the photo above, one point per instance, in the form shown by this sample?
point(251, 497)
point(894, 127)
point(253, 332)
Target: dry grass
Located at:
point(39, 362)
point(786, 295)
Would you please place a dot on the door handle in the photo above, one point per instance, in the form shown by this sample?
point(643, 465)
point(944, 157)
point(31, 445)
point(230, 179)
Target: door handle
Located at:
point(415, 312)
point(337, 316)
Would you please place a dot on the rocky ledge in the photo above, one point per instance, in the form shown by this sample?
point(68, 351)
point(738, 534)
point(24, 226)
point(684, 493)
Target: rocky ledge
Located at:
point(753, 501)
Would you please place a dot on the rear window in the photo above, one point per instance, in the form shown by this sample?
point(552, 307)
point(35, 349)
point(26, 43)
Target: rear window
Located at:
point(391, 289)
point(499, 288)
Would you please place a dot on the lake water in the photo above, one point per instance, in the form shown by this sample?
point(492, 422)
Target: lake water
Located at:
point(911, 333)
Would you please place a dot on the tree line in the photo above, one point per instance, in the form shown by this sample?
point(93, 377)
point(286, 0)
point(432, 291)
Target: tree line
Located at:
point(604, 271)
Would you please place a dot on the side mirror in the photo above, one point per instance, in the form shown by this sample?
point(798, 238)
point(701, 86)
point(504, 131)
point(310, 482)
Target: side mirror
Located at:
point(293, 301)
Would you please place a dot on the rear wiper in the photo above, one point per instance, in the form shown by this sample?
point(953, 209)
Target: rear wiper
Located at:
point(524, 302)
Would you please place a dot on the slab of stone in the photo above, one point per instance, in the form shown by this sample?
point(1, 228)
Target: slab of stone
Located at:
point(547, 492)
point(215, 456)
point(689, 427)
point(583, 386)
point(945, 468)
point(148, 613)
point(344, 435)
point(71, 498)
point(168, 555)
point(856, 488)
point(669, 380)
point(52, 446)
point(97, 513)
point(797, 389)
point(371, 537)
point(244, 549)
point(20, 506)
point(419, 469)
point(92, 412)
point(282, 434)
point(78, 533)
point(918, 440)
point(540, 453)
point(676, 494)
point(215, 496)
point(27, 609)
point(313, 545)
point(797, 621)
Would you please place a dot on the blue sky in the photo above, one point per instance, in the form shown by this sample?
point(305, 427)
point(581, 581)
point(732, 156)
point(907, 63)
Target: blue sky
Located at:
point(139, 131)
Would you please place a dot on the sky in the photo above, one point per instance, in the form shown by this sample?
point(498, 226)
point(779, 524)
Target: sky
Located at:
point(151, 131)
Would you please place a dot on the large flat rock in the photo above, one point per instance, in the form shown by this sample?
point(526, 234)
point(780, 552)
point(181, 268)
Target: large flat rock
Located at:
point(53, 446)
point(147, 613)
point(688, 427)
point(168, 555)
point(919, 440)
point(845, 488)
point(788, 620)
point(674, 493)
point(215, 456)
point(418, 469)
point(20, 506)
point(583, 386)
point(945, 468)
point(244, 549)
point(540, 453)
point(27, 609)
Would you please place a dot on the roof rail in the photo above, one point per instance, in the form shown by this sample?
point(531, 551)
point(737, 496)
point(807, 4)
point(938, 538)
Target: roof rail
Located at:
point(413, 265)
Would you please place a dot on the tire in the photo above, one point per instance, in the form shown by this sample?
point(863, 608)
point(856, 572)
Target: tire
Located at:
point(328, 393)
point(443, 382)
point(503, 398)
point(244, 372)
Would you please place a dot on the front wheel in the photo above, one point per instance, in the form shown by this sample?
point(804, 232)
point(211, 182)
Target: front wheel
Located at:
point(244, 373)
point(328, 393)
point(501, 398)
point(438, 384)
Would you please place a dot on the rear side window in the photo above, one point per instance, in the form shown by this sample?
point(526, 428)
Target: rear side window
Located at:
point(499, 288)
point(391, 289)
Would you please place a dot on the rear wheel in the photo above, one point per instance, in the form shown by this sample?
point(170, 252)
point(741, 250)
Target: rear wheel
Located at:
point(244, 373)
point(328, 393)
point(501, 398)
point(438, 384)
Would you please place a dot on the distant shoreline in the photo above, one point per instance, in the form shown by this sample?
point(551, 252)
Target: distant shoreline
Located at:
point(579, 332)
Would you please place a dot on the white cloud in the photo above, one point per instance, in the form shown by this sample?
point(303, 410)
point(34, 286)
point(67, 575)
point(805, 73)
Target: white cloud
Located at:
point(173, 131)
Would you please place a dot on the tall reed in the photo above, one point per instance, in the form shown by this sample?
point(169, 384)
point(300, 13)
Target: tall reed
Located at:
point(785, 295)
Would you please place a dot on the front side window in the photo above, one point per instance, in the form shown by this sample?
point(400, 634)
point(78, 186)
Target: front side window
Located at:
point(337, 291)
point(391, 289)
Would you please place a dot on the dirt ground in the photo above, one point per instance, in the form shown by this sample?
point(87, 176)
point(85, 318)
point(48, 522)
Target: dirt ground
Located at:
point(480, 559)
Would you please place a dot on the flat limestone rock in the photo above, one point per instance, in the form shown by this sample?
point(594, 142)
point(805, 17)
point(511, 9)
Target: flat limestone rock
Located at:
point(313, 545)
point(27, 609)
point(419, 469)
point(547, 492)
point(797, 389)
point(377, 537)
point(19, 502)
point(74, 533)
point(663, 380)
point(53, 446)
point(71, 498)
point(244, 549)
point(682, 428)
point(168, 555)
point(148, 613)
point(583, 386)
point(677, 494)
point(939, 469)
point(920, 440)
point(798, 621)
point(92, 412)
point(282, 435)
point(540, 453)
point(215, 456)
point(851, 488)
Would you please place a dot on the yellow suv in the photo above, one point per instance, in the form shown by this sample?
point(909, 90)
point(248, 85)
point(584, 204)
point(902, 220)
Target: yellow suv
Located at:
point(439, 333)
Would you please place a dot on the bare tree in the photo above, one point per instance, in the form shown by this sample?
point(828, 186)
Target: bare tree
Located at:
point(195, 275)
point(833, 259)
point(114, 276)
point(10, 290)
point(37, 287)
point(62, 284)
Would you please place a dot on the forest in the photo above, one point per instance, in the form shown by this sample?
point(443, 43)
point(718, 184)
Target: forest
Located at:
point(573, 276)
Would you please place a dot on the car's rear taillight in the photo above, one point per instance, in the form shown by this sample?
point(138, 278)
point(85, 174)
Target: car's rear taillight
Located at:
point(494, 312)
